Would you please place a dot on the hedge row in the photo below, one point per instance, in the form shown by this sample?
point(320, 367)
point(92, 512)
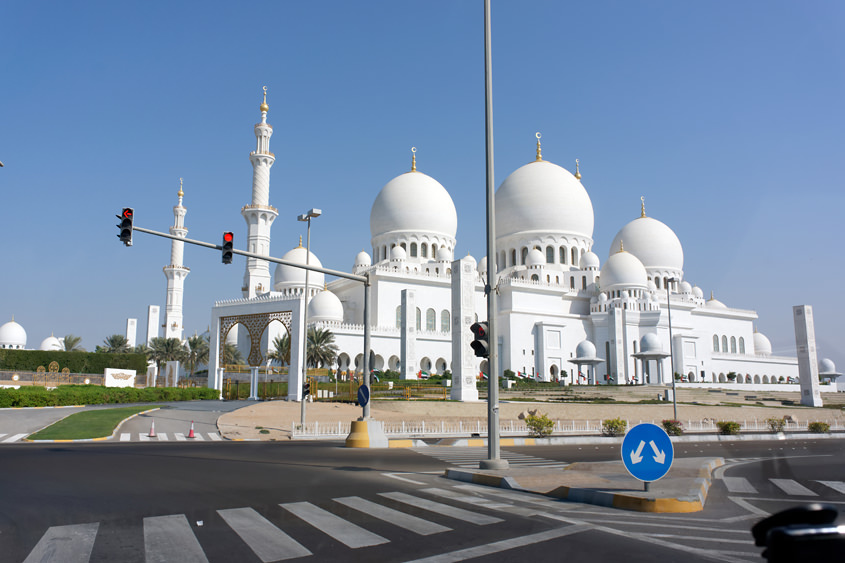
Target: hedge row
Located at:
point(76, 362)
point(98, 395)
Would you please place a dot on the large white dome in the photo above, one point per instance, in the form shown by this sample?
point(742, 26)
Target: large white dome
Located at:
point(12, 335)
point(585, 350)
point(325, 306)
point(413, 202)
point(543, 197)
point(288, 276)
point(655, 244)
point(51, 343)
point(622, 271)
point(762, 346)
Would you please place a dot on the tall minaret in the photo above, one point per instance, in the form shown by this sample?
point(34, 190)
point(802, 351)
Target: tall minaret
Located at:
point(176, 273)
point(259, 215)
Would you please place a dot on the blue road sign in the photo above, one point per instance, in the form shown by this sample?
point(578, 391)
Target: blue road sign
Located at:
point(363, 395)
point(647, 452)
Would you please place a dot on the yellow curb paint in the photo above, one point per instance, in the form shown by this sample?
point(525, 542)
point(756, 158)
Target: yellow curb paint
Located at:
point(506, 442)
point(400, 444)
point(475, 443)
point(528, 442)
point(656, 505)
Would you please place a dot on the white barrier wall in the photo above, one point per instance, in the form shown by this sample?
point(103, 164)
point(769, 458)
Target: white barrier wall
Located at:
point(119, 377)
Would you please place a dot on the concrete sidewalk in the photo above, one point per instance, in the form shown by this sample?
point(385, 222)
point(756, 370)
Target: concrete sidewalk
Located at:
point(683, 489)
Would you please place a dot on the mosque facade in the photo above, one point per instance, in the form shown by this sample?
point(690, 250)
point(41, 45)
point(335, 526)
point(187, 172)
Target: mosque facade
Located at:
point(564, 313)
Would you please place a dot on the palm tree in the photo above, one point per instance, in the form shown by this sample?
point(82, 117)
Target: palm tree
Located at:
point(167, 350)
point(197, 353)
point(71, 343)
point(322, 350)
point(280, 351)
point(231, 355)
point(114, 344)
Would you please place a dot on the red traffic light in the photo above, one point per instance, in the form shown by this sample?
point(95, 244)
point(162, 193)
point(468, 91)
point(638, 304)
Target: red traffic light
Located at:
point(127, 212)
point(228, 237)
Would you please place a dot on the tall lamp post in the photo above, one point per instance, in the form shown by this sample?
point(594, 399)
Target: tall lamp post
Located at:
point(306, 217)
point(669, 283)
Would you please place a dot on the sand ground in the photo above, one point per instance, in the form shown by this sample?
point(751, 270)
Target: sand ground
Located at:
point(277, 417)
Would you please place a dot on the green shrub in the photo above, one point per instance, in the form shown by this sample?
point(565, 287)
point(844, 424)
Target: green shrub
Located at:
point(76, 362)
point(673, 427)
point(819, 427)
point(539, 425)
point(775, 424)
point(64, 395)
point(509, 374)
point(613, 427)
point(728, 427)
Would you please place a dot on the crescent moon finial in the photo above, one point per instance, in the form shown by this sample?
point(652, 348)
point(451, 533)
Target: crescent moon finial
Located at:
point(539, 152)
point(413, 159)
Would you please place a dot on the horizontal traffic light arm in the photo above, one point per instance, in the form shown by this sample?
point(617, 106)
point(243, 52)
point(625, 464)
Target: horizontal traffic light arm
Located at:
point(336, 273)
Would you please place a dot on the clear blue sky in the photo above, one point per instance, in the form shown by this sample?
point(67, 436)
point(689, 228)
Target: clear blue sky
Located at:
point(727, 116)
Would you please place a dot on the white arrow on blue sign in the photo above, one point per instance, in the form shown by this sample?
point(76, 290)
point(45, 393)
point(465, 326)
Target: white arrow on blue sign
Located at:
point(363, 395)
point(647, 452)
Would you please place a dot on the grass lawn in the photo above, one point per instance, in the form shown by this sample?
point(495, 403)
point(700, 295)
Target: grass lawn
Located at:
point(89, 424)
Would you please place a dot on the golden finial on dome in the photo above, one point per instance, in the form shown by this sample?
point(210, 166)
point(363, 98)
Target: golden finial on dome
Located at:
point(264, 107)
point(413, 159)
point(621, 246)
point(642, 206)
point(539, 152)
point(711, 295)
point(577, 170)
point(181, 193)
point(300, 242)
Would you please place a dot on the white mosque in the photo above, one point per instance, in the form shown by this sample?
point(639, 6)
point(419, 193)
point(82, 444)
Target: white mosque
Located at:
point(563, 314)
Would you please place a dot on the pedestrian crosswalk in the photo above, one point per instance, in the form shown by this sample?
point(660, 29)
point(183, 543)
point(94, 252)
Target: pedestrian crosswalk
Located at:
point(165, 437)
point(6, 439)
point(469, 457)
point(173, 537)
point(790, 487)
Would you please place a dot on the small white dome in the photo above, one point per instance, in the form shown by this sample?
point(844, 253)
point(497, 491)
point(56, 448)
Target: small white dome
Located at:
point(698, 292)
point(482, 266)
point(444, 254)
point(398, 253)
point(289, 276)
point(650, 343)
point(826, 366)
point(685, 288)
point(714, 303)
point(51, 343)
point(363, 259)
point(589, 261)
point(623, 270)
point(655, 244)
point(413, 202)
point(325, 306)
point(602, 297)
point(543, 197)
point(585, 350)
point(762, 346)
point(12, 335)
point(651, 286)
point(535, 258)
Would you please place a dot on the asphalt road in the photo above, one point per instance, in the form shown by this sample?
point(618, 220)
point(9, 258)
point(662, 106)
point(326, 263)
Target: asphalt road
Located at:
point(247, 501)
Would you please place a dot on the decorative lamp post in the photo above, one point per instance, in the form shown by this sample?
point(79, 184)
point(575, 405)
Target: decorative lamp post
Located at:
point(306, 217)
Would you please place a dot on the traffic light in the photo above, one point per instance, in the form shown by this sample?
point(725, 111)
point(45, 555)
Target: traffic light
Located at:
point(306, 388)
point(126, 217)
point(480, 345)
point(228, 241)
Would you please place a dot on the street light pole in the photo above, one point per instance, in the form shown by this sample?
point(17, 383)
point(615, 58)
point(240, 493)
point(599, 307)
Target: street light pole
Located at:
point(669, 283)
point(306, 217)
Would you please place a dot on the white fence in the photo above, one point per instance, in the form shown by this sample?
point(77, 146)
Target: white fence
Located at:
point(442, 429)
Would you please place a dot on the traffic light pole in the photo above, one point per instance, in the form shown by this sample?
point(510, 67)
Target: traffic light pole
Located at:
point(493, 460)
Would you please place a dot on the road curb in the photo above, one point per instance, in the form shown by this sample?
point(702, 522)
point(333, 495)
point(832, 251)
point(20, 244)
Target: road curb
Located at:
point(691, 501)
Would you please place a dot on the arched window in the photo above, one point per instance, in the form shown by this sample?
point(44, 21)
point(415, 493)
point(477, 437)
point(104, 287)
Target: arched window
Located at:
point(444, 321)
point(399, 316)
point(419, 319)
point(414, 249)
point(513, 257)
point(724, 343)
point(733, 344)
point(424, 250)
point(550, 255)
point(657, 283)
point(583, 282)
point(741, 345)
point(715, 342)
point(548, 278)
point(402, 244)
point(563, 253)
point(574, 256)
point(430, 320)
point(572, 282)
point(535, 277)
point(524, 254)
point(384, 252)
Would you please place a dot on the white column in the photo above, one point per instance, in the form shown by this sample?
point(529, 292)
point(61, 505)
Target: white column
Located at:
point(463, 310)
point(408, 341)
point(808, 360)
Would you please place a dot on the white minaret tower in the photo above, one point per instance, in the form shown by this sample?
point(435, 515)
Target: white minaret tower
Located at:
point(176, 273)
point(259, 215)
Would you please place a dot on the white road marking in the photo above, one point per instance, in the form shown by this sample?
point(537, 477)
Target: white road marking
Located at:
point(444, 509)
point(395, 517)
point(214, 436)
point(14, 438)
point(179, 437)
point(395, 476)
point(346, 532)
point(267, 541)
point(143, 438)
point(791, 487)
point(170, 538)
point(739, 485)
point(162, 437)
point(65, 544)
point(125, 436)
point(838, 486)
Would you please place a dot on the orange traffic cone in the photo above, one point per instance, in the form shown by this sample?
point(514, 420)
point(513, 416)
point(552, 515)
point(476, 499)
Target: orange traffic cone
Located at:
point(191, 433)
point(152, 433)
